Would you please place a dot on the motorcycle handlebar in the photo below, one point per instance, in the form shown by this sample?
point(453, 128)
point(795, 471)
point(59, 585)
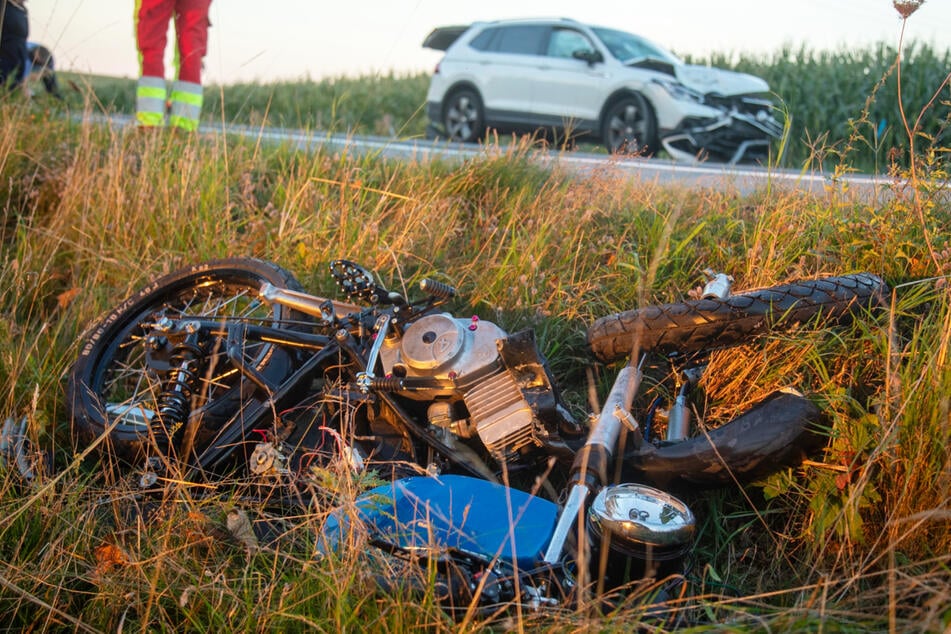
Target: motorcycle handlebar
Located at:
point(437, 289)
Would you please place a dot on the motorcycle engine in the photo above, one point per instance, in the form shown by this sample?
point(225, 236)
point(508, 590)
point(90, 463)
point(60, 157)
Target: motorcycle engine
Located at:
point(467, 354)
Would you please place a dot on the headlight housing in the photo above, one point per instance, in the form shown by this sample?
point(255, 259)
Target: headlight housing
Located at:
point(642, 522)
point(678, 91)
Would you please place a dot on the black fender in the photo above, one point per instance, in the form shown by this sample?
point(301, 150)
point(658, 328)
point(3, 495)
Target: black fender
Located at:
point(777, 432)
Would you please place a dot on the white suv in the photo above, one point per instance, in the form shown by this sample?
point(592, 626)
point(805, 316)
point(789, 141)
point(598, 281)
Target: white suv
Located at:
point(581, 80)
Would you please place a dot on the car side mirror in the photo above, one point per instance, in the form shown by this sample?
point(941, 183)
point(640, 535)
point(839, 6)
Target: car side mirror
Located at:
point(589, 56)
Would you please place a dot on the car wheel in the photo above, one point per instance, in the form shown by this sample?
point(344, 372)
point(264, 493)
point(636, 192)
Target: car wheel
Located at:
point(629, 127)
point(463, 117)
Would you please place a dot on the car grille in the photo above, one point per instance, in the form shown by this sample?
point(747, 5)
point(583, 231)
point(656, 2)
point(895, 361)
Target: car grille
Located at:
point(745, 104)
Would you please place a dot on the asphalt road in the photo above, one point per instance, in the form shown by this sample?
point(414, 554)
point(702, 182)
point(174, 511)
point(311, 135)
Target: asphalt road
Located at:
point(742, 179)
point(739, 178)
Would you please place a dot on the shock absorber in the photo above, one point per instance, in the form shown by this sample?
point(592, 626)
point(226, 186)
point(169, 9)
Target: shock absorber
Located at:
point(174, 402)
point(678, 417)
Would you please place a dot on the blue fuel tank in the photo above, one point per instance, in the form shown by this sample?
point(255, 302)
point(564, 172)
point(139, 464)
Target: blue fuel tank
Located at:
point(451, 511)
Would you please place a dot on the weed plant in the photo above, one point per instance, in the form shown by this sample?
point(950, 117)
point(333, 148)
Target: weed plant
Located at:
point(857, 538)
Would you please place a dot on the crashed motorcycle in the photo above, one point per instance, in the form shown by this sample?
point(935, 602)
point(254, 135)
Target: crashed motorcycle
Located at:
point(229, 365)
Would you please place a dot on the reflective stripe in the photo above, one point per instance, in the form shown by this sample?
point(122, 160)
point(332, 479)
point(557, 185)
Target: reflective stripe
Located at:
point(150, 104)
point(145, 92)
point(186, 105)
point(157, 83)
point(187, 91)
point(184, 116)
point(187, 97)
point(150, 119)
point(183, 123)
point(150, 101)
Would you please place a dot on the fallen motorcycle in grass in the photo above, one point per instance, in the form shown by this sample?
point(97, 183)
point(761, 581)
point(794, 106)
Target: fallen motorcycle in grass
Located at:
point(229, 366)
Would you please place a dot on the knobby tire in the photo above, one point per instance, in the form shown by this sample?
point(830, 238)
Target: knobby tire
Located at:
point(702, 324)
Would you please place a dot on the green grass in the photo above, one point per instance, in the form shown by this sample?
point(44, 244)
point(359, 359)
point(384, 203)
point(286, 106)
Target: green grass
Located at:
point(856, 539)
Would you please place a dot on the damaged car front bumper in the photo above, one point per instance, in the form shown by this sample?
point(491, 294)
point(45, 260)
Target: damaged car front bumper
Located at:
point(733, 136)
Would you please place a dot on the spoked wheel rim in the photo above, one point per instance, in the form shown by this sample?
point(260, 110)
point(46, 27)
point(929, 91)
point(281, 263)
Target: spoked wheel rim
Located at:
point(132, 380)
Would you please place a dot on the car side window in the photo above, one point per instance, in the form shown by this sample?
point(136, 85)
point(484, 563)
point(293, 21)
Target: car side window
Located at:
point(520, 40)
point(564, 42)
point(483, 41)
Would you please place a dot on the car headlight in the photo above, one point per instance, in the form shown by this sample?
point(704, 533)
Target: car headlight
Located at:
point(678, 91)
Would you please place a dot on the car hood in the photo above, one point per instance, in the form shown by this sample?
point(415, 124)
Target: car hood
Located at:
point(727, 83)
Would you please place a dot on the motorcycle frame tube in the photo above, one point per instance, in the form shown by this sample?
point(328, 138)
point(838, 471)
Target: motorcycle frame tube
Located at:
point(590, 467)
point(603, 439)
point(307, 303)
point(230, 434)
point(574, 506)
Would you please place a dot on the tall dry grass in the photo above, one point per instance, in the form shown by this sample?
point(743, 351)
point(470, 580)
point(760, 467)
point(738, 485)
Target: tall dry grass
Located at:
point(857, 538)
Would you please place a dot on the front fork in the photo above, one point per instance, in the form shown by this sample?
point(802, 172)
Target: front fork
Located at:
point(678, 417)
point(718, 286)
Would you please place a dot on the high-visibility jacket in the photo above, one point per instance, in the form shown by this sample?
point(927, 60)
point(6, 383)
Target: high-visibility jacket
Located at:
point(191, 32)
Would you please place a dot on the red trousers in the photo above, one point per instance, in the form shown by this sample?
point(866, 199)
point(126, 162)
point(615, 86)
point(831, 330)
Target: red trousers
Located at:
point(191, 31)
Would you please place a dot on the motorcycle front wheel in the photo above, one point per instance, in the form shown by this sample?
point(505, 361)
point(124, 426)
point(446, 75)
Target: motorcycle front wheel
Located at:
point(711, 323)
point(115, 384)
point(776, 432)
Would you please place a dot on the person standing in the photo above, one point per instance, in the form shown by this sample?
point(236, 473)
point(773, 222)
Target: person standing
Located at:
point(191, 32)
point(15, 30)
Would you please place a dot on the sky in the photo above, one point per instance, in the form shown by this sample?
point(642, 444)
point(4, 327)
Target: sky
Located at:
point(272, 40)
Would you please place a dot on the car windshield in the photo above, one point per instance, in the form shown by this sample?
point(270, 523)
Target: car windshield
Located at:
point(628, 47)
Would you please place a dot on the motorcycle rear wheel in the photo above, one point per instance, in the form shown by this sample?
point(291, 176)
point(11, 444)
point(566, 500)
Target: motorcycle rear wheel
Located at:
point(703, 324)
point(113, 388)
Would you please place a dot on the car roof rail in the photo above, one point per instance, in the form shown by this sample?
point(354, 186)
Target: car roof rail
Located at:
point(530, 19)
